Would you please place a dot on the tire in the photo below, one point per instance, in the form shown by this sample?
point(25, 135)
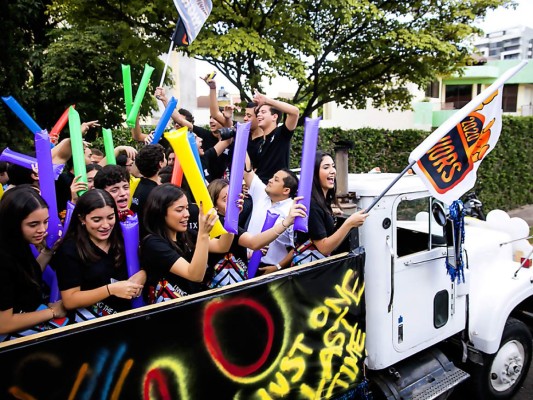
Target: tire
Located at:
point(503, 373)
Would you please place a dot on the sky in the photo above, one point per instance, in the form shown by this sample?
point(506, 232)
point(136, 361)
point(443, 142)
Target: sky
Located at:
point(502, 18)
point(495, 20)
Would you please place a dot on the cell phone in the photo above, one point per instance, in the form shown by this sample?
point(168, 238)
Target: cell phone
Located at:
point(211, 75)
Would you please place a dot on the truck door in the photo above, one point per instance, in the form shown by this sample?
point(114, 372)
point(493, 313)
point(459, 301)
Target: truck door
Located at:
point(424, 303)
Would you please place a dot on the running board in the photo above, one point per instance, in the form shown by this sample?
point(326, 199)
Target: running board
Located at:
point(441, 385)
point(424, 376)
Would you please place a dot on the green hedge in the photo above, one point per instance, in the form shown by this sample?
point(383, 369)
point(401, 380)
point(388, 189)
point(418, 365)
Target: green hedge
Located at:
point(505, 177)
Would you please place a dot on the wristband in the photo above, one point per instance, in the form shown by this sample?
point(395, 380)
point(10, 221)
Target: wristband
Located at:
point(278, 267)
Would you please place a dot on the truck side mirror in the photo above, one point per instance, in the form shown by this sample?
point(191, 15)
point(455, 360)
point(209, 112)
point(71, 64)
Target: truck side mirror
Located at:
point(438, 213)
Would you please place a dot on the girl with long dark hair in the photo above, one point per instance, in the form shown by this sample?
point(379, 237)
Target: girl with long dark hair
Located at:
point(23, 222)
point(90, 261)
point(174, 257)
point(323, 237)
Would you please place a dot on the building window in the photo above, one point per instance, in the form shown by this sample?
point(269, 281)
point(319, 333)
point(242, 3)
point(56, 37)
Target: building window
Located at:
point(510, 95)
point(459, 95)
point(432, 89)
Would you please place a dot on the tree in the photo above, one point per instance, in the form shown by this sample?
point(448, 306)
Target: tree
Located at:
point(60, 52)
point(344, 51)
point(22, 40)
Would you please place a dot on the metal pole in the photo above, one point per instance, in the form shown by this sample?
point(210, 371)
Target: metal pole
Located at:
point(388, 187)
point(169, 52)
point(166, 63)
point(341, 165)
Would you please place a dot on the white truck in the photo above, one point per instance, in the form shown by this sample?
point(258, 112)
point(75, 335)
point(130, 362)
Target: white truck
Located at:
point(384, 304)
point(417, 318)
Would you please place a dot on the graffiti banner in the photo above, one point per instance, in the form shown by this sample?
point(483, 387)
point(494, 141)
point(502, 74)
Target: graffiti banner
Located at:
point(296, 334)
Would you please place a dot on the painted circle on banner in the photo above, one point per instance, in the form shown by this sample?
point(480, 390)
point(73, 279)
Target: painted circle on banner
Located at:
point(216, 310)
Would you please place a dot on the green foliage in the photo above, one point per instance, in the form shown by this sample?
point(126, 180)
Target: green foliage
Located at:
point(341, 51)
point(22, 41)
point(82, 67)
point(506, 174)
point(505, 177)
point(61, 52)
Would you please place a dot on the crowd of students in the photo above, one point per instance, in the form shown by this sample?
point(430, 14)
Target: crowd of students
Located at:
point(177, 256)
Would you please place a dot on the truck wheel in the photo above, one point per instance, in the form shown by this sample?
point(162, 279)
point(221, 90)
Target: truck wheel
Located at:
point(502, 374)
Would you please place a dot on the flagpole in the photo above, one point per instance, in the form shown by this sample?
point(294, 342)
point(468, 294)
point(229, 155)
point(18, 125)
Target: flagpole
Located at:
point(450, 123)
point(389, 187)
point(169, 52)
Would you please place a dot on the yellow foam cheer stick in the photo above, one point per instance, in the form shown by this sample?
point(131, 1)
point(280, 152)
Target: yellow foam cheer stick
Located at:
point(179, 142)
point(134, 182)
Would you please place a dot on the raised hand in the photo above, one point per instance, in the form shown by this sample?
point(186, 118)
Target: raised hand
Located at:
point(207, 221)
point(297, 210)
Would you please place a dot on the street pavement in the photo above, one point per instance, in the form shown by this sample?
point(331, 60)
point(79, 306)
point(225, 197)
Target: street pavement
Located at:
point(524, 212)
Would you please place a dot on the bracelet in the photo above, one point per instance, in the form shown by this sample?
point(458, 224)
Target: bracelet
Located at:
point(278, 267)
point(108, 291)
point(282, 224)
point(53, 312)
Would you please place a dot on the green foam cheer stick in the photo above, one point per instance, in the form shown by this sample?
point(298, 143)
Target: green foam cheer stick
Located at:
point(126, 80)
point(108, 147)
point(76, 142)
point(132, 115)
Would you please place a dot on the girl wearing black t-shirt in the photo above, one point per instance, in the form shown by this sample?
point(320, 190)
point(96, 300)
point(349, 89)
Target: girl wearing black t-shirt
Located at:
point(322, 238)
point(174, 257)
point(232, 266)
point(23, 221)
point(90, 261)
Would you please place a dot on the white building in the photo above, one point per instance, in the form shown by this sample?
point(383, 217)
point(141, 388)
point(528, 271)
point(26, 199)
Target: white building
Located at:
point(508, 44)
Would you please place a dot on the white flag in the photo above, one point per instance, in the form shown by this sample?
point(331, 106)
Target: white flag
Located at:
point(447, 161)
point(193, 14)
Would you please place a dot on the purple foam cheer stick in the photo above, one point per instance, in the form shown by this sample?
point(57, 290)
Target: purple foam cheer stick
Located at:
point(49, 277)
point(307, 166)
point(26, 161)
point(130, 231)
point(68, 215)
point(253, 264)
point(231, 219)
point(48, 188)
